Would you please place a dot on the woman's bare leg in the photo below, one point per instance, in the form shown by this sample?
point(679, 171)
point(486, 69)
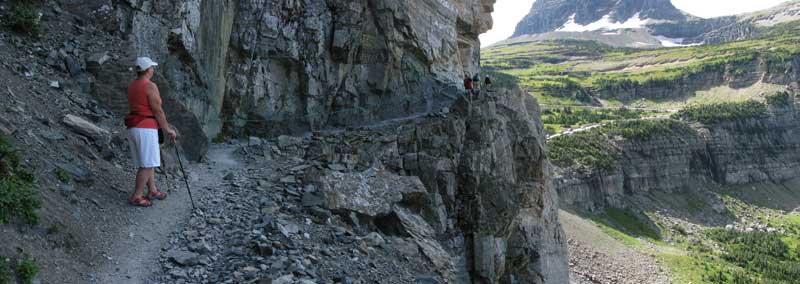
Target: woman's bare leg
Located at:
point(151, 182)
point(142, 178)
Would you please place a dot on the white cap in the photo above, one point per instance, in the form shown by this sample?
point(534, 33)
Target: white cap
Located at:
point(142, 63)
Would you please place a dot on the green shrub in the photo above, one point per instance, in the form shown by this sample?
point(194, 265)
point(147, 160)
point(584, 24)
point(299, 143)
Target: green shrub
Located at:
point(549, 130)
point(18, 200)
point(220, 138)
point(644, 129)
point(593, 149)
point(759, 254)
point(5, 272)
point(17, 197)
point(631, 223)
point(719, 112)
point(779, 99)
point(9, 161)
point(26, 271)
point(62, 175)
point(679, 229)
point(24, 18)
point(579, 116)
point(589, 150)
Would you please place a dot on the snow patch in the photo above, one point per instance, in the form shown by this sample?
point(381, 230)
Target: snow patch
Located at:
point(673, 42)
point(605, 23)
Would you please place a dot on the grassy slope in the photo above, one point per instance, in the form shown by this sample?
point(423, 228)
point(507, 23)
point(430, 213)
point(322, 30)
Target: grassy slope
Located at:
point(695, 256)
point(571, 72)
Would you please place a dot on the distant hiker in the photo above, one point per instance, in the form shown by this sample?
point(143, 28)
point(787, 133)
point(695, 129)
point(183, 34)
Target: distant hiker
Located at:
point(145, 118)
point(487, 83)
point(468, 84)
point(476, 81)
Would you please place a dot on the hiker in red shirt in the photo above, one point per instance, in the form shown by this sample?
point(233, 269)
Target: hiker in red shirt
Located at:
point(145, 118)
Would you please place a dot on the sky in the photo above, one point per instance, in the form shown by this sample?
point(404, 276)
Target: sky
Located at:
point(507, 13)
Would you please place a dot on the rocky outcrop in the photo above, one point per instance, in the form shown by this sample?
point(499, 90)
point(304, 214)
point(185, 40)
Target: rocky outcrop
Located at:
point(372, 193)
point(550, 15)
point(714, 30)
point(459, 196)
point(738, 72)
point(488, 202)
point(277, 67)
point(487, 169)
point(733, 152)
point(664, 21)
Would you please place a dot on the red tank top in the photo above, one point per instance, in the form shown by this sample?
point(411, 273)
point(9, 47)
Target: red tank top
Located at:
point(140, 113)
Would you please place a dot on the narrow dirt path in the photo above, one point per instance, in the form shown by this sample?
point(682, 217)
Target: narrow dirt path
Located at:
point(133, 258)
point(596, 125)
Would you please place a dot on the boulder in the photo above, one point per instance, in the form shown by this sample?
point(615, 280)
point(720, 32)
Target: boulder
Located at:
point(94, 62)
point(374, 239)
point(183, 258)
point(82, 126)
point(78, 174)
point(371, 193)
point(425, 237)
point(55, 61)
point(73, 66)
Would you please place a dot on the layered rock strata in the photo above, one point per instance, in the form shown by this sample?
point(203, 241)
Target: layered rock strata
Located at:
point(732, 152)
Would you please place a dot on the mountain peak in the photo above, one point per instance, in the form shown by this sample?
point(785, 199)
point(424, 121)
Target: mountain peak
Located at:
point(592, 15)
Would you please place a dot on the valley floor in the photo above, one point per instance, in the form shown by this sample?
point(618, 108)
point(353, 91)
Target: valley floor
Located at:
point(689, 248)
point(596, 257)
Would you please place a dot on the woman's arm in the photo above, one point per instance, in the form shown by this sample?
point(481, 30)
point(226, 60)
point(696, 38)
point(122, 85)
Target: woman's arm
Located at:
point(154, 97)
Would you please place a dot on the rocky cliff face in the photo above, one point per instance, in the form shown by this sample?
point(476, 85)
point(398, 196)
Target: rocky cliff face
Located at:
point(733, 152)
point(479, 203)
point(550, 15)
point(488, 213)
point(714, 30)
point(738, 73)
point(488, 177)
point(276, 67)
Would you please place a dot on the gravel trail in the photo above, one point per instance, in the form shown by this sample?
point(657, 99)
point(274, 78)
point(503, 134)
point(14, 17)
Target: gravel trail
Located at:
point(134, 257)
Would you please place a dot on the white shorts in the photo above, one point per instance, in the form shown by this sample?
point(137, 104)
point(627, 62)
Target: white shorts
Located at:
point(144, 147)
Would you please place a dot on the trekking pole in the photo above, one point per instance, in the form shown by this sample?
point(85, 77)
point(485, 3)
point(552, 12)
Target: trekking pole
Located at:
point(185, 178)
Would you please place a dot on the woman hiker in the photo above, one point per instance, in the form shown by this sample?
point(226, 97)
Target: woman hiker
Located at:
point(145, 118)
point(468, 84)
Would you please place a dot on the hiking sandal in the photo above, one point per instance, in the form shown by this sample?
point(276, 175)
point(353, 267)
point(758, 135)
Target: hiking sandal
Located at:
point(140, 202)
point(160, 195)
